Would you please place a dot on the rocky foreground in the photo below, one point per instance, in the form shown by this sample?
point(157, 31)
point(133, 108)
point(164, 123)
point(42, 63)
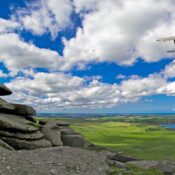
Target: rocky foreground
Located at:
point(53, 161)
point(29, 147)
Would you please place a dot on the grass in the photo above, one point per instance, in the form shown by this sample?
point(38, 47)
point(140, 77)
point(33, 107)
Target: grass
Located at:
point(133, 170)
point(142, 140)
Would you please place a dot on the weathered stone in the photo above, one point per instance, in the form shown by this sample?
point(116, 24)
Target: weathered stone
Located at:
point(3, 149)
point(27, 136)
point(73, 140)
point(5, 145)
point(59, 160)
point(4, 90)
point(123, 158)
point(144, 164)
point(24, 110)
point(166, 167)
point(62, 123)
point(42, 122)
point(26, 144)
point(67, 131)
point(16, 123)
point(52, 133)
point(5, 106)
point(31, 119)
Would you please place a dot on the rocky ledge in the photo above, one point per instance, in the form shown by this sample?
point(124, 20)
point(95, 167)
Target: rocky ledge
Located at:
point(19, 130)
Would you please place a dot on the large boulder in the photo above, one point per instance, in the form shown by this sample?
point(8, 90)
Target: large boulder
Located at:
point(24, 110)
point(52, 133)
point(74, 140)
point(4, 90)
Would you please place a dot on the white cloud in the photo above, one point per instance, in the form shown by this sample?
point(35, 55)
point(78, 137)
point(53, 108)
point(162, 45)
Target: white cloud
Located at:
point(169, 89)
point(169, 71)
point(136, 88)
point(7, 25)
point(16, 54)
point(121, 76)
point(44, 16)
point(129, 29)
point(58, 90)
point(120, 32)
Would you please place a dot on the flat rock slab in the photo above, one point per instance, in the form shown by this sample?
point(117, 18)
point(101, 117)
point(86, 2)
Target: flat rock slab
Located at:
point(4, 90)
point(62, 123)
point(144, 164)
point(14, 122)
point(53, 161)
point(27, 136)
point(123, 158)
point(19, 144)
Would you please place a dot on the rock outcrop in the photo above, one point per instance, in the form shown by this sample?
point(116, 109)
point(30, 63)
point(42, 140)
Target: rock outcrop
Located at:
point(4, 90)
point(20, 131)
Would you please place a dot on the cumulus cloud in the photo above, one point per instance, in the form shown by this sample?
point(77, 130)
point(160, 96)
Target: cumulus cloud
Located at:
point(7, 25)
point(44, 16)
point(16, 54)
point(138, 87)
point(128, 31)
point(169, 71)
point(58, 90)
point(169, 89)
point(120, 32)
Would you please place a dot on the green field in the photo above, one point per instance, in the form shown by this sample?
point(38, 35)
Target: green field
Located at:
point(137, 136)
point(142, 140)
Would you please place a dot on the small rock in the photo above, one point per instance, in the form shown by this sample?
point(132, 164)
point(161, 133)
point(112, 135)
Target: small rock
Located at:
point(120, 165)
point(8, 167)
point(62, 123)
point(144, 164)
point(123, 158)
point(24, 110)
point(53, 171)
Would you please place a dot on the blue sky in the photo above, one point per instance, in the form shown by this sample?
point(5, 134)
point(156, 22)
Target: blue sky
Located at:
point(88, 56)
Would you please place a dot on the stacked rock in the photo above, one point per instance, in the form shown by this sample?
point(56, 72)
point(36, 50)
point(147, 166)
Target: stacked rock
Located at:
point(67, 136)
point(19, 130)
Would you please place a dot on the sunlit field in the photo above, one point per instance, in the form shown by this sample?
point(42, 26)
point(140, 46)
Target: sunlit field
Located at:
point(142, 140)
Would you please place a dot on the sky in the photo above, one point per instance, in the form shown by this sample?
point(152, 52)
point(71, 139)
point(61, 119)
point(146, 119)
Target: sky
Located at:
point(88, 56)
